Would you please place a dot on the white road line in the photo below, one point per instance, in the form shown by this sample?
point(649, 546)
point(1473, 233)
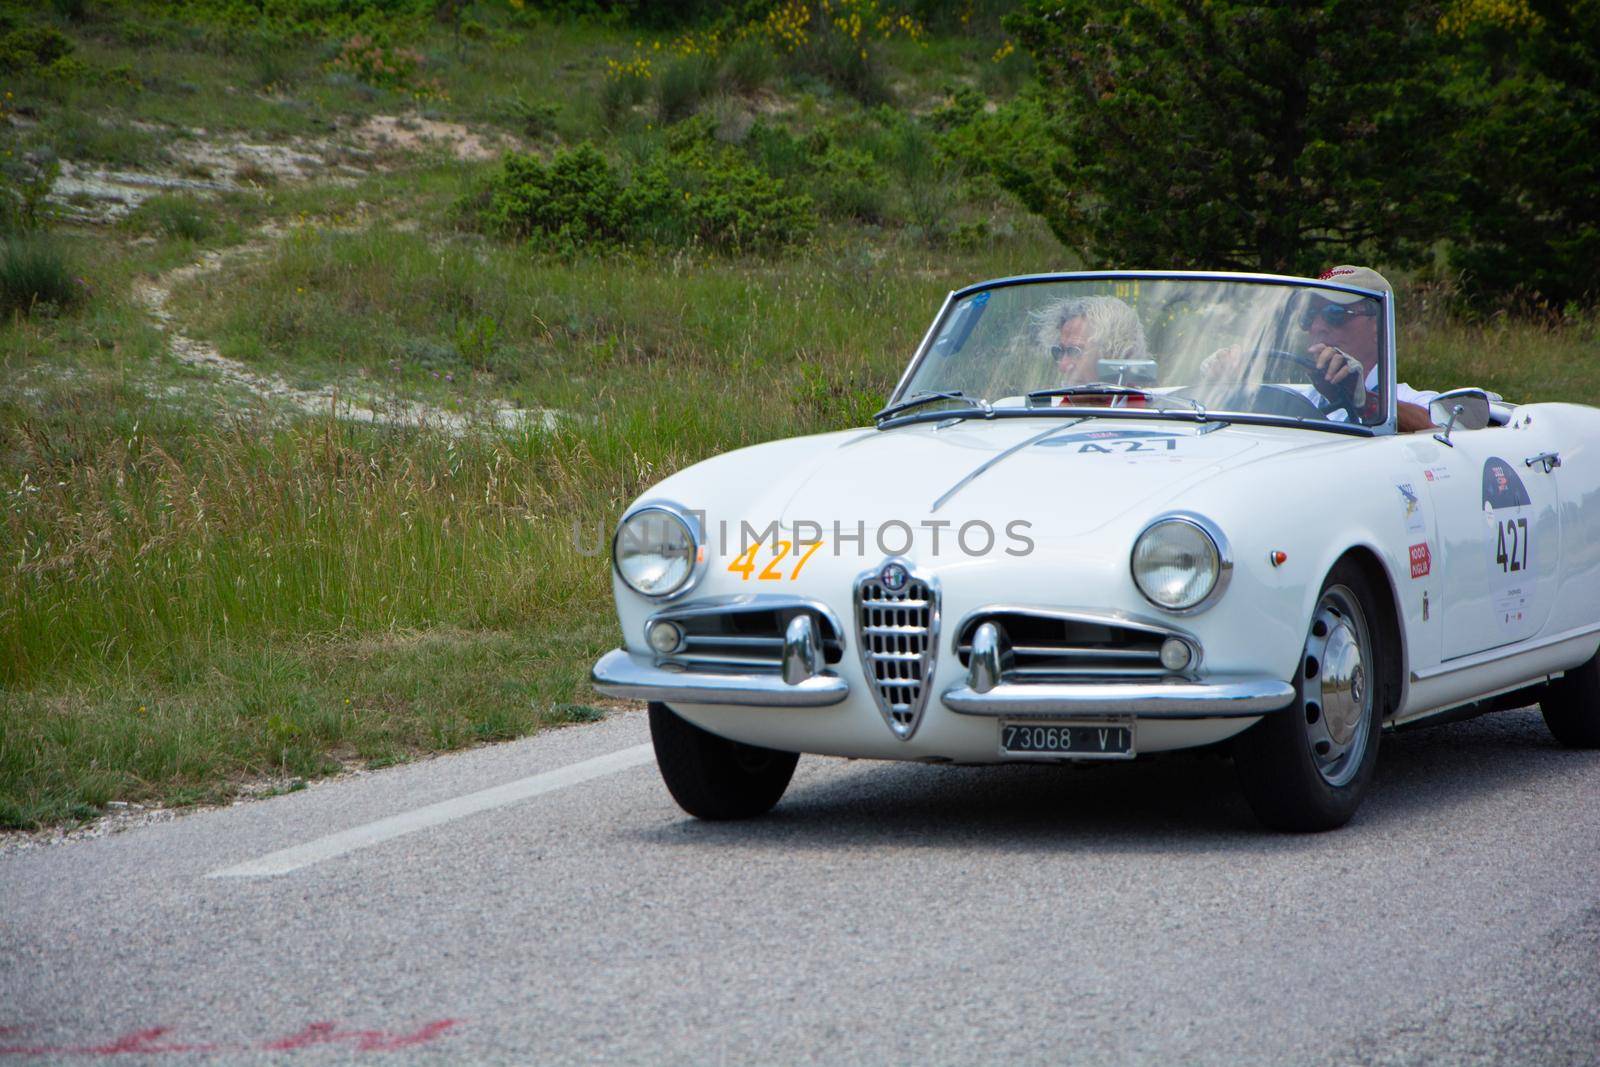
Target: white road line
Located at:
point(324, 848)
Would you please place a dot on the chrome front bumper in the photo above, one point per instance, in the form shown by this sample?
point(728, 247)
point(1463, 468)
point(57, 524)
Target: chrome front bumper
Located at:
point(621, 673)
point(1216, 698)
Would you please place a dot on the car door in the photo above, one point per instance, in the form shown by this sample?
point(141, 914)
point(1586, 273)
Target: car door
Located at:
point(1499, 536)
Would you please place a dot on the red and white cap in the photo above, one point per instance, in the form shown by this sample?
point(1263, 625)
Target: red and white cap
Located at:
point(1360, 277)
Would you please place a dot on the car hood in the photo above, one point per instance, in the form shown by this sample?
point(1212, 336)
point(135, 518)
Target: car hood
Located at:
point(1065, 480)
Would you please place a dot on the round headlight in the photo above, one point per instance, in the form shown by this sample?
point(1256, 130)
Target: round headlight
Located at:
point(654, 552)
point(1176, 564)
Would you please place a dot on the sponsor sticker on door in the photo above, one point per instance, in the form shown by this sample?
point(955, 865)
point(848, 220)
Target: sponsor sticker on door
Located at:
point(1421, 561)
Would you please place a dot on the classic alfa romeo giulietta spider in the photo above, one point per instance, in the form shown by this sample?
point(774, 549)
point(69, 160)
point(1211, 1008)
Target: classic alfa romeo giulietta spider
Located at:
point(1111, 514)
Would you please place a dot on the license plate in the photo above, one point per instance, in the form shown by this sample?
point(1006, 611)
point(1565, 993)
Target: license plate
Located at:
point(1076, 740)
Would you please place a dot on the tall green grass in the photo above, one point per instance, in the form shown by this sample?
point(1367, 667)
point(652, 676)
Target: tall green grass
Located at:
point(37, 273)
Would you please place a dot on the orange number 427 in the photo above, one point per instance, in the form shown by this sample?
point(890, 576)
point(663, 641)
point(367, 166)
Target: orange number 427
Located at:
point(744, 564)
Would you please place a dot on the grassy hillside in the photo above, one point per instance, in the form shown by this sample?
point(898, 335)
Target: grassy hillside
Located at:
point(294, 428)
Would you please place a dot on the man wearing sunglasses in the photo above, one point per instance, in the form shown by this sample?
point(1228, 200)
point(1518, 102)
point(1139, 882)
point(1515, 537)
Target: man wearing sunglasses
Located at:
point(1344, 332)
point(1344, 338)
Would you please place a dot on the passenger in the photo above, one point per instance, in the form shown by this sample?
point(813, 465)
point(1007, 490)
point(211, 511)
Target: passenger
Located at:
point(1079, 331)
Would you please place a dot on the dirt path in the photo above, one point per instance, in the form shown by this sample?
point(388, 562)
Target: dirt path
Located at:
point(155, 294)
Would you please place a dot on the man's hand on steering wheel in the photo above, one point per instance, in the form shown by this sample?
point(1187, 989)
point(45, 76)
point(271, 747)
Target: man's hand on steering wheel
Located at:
point(1340, 376)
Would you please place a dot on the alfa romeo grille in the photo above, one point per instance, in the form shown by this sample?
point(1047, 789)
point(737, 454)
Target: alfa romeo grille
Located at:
point(898, 630)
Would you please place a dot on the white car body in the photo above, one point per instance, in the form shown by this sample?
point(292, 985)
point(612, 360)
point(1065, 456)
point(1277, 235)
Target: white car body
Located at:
point(1465, 624)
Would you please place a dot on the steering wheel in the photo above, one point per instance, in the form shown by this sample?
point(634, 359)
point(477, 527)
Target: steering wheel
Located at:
point(1275, 398)
point(1344, 401)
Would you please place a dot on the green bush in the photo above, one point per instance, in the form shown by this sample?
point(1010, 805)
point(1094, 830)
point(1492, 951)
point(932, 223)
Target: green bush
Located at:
point(274, 63)
point(778, 152)
point(682, 86)
point(747, 66)
point(385, 66)
point(534, 118)
point(621, 90)
point(841, 61)
point(850, 185)
point(36, 276)
point(24, 185)
point(27, 49)
point(175, 216)
point(700, 192)
point(573, 201)
point(692, 192)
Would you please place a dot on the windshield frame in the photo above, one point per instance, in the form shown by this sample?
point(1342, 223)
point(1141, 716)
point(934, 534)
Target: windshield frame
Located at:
point(953, 299)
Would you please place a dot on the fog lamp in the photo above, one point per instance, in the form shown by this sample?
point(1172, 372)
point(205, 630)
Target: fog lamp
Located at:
point(665, 637)
point(1175, 654)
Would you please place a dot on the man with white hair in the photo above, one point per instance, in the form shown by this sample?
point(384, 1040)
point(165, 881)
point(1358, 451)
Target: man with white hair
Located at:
point(1079, 331)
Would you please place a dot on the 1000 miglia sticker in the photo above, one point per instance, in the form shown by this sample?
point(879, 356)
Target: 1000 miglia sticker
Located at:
point(1416, 531)
point(1508, 511)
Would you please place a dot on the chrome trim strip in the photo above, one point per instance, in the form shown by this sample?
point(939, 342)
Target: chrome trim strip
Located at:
point(1494, 655)
point(620, 673)
point(984, 467)
point(1417, 718)
point(1219, 698)
point(747, 602)
point(1114, 617)
point(1156, 275)
point(1224, 559)
point(1391, 364)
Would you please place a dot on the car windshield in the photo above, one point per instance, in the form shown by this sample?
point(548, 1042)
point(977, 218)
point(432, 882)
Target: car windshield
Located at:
point(1307, 352)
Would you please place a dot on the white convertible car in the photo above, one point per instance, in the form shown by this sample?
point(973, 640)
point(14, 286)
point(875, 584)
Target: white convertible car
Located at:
point(1112, 514)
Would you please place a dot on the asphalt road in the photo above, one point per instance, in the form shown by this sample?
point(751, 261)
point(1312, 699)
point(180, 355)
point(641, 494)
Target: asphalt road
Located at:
point(883, 913)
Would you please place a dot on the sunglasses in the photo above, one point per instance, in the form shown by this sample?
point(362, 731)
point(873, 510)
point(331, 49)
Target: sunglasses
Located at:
point(1331, 314)
point(1059, 352)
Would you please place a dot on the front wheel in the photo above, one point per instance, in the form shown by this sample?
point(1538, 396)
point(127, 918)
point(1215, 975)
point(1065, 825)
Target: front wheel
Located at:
point(711, 777)
point(1306, 767)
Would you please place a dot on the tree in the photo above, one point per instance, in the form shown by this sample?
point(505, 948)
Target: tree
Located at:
point(1528, 73)
point(1222, 134)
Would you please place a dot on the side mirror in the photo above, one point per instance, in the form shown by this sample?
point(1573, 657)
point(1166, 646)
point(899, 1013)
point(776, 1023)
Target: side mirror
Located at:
point(1466, 408)
point(1137, 372)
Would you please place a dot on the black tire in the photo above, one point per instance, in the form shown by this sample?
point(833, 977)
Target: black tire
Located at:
point(1306, 767)
point(713, 778)
point(1571, 706)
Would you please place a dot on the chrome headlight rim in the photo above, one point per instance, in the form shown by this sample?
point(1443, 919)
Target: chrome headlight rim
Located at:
point(690, 521)
point(1219, 542)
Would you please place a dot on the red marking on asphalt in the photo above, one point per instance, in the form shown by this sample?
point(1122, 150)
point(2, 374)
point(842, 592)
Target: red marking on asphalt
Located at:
point(138, 1042)
point(148, 1041)
point(365, 1040)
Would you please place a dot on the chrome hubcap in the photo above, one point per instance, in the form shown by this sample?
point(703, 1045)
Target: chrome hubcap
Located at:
point(1336, 688)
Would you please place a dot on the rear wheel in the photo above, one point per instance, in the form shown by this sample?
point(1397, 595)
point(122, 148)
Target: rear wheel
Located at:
point(711, 777)
point(1307, 767)
point(1571, 706)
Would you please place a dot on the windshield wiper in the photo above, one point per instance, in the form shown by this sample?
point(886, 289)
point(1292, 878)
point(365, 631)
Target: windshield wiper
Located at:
point(920, 399)
point(1162, 401)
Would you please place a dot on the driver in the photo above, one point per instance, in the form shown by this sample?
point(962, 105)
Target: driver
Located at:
point(1079, 331)
point(1344, 342)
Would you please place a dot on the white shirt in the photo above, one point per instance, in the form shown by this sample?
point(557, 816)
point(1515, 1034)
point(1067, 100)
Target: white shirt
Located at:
point(1402, 392)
